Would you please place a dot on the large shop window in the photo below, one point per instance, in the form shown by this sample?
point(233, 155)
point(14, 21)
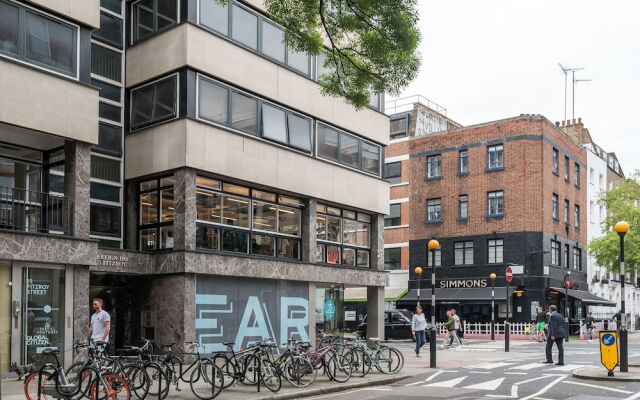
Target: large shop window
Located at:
point(38, 39)
point(153, 102)
point(343, 237)
point(238, 219)
point(150, 16)
point(156, 209)
point(339, 146)
point(217, 101)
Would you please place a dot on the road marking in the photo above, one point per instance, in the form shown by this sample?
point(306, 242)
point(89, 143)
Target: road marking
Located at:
point(515, 373)
point(493, 365)
point(529, 380)
point(449, 384)
point(430, 378)
point(544, 389)
point(380, 389)
point(634, 397)
point(598, 387)
point(489, 385)
point(479, 372)
point(566, 368)
point(527, 367)
point(583, 362)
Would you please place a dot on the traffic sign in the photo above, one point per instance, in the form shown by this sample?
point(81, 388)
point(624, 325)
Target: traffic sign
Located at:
point(509, 274)
point(609, 350)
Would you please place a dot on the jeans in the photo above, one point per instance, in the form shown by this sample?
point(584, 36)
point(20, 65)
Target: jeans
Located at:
point(421, 339)
point(590, 333)
point(454, 336)
point(560, 343)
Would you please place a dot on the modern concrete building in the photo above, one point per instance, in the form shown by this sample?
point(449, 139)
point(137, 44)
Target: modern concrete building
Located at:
point(176, 159)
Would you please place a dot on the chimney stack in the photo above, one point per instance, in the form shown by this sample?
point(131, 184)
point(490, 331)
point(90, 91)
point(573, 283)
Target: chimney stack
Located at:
point(563, 122)
point(579, 120)
point(557, 123)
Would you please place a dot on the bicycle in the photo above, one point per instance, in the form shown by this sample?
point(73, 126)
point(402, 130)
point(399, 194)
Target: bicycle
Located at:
point(52, 381)
point(337, 366)
point(249, 366)
point(386, 359)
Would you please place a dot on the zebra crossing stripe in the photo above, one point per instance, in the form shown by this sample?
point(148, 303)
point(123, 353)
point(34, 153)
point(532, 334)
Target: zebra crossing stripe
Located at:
point(490, 365)
point(448, 384)
point(527, 367)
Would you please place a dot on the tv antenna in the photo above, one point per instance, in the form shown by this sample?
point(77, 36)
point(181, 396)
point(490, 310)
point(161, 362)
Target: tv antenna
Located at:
point(566, 71)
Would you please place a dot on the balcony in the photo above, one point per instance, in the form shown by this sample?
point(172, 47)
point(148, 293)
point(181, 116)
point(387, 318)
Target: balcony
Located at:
point(35, 212)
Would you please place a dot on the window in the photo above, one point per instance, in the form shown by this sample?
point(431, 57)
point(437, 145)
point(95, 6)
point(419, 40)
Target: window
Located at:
point(156, 209)
point(566, 168)
point(576, 173)
point(215, 15)
point(348, 150)
point(463, 162)
point(299, 132)
point(566, 211)
point(567, 256)
point(577, 258)
point(153, 103)
point(434, 166)
point(273, 44)
point(244, 113)
point(393, 219)
point(463, 253)
point(104, 192)
point(392, 258)
point(106, 169)
point(554, 206)
point(109, 92)
point(106, 63)
point(591, 177)
point(495, 157)
point(109, 139)
point(463, 206)
point(298, 61)
point(38, 39)
point(238, 219)
point(495, 203)
point(434, 210)
point(274, 123)
point(150, 16)
point(112, 5)
point(244, 27)
point(591, 208)
point(399, 127)
point(343, 236)
point(107, 111)
point(601, 182)
point(392, 172)
point(110, 30)
point(438, 257)
point(495, 249)
point(555, 161)
point(213, 102)
point(555, 252)
point(576, 216)
point(104, 220)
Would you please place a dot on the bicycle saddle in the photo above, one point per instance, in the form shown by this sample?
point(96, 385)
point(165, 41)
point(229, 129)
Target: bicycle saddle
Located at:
point(50, 351)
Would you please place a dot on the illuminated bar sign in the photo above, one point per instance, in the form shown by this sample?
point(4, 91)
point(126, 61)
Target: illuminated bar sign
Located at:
point(463, 283)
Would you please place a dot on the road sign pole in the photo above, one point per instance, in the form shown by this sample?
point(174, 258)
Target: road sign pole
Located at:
point(507, 327)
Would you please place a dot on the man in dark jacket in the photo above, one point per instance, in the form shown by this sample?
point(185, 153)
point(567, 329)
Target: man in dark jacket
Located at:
point(556, 334)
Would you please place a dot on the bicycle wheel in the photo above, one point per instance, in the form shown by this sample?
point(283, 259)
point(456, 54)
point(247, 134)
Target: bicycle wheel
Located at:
point(360, 362)
point(81, 377)
point(269, 375)
point(250, 364)
point(172, 369)
point(206, 380)
point(227, 367)
point(116, 388)
point(299, 371)
point(339, 367)
point(390, 360)
point(31, 386)
point(157, 379)
point(137, 379)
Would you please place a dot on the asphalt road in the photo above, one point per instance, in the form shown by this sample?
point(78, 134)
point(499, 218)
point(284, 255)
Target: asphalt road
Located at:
point(526, 378)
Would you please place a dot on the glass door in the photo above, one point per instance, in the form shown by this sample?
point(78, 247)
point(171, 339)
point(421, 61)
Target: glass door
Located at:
point(5, 315)
point(43, 312)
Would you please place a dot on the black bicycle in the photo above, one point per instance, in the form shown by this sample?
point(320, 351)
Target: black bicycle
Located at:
point(249, 366)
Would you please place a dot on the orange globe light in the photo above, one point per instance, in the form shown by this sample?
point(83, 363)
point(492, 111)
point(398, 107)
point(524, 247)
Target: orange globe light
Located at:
point(433, 245)
point(418, 271)
point(622, 227)
point(492, 276)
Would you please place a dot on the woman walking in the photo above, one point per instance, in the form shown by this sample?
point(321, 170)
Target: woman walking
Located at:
point(541, 324)
point(418, 327)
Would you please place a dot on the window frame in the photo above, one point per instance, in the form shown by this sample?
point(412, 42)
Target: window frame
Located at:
point(463, 161)
point(555, 207)
point(462, 246)
point(567, 166)
point(576, 216)
point(492, 150)
point(134, 15)
point(577, 258)
point(152, 122)
point(434, 160)
point(555, 161)
point(322, 210)
point(361, 142)
point(555, 253)
point(398, 134)
point(393, 220)
point(566, 211)
point(464, 201)
point(397, 265)
point(394, 179)
point(492, 249)
point(158, 224)
point(576, 174)
point(499, 199)
point(428, 213)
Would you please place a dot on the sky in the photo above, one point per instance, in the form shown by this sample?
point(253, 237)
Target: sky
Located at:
point(491, 59)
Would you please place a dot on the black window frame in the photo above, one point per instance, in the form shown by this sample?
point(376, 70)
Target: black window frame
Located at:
point(395, 264)
point(390, 168)
point(555, 253)
point(500, 203)
point(463, 162)
point(393, 218)
point(576, 174)
point(154, 31)
point(462, 247)
point(567, 256)
point(577, 258)
point(361, 142)
point(555, 162)
point(434, 202)
point(433, 161)
point(493, 151)
point(158, 224)
point(399, 134)
point(463, 199)
point(567, 166)
point(555, 207)
point(492, 250)
point(153, 121)
point(327, 211)
point(93, 222)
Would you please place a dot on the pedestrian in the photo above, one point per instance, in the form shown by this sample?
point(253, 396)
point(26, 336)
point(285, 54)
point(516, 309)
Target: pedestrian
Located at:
point(541, 324)
point(588, 322)
point(618, 318)
point(449, 324)
point(100, 323)
point(556, 335)
point(418, 327)
point(457, 327)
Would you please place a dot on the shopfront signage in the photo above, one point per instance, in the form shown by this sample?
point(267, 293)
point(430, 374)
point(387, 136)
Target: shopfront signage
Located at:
point(109, 260)
point(349, 316)
point(463, 283)
point(329, 309)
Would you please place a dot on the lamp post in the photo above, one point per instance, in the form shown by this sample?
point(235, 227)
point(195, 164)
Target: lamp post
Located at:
point(622, 228)
point(418, 272)
point(567, 282)
point(432, 246)
point(493, 305)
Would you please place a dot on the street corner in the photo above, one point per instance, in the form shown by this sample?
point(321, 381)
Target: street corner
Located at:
point(601, 374)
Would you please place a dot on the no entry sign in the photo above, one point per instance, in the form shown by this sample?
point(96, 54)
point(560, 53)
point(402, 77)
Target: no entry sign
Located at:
point(509, 274)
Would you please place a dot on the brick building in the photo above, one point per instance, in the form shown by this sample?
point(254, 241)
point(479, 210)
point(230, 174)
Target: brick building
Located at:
point(507, 192)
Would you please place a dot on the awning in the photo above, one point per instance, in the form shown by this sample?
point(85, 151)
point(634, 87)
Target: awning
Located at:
point(586, 297)
point(457, 295)
point(356, 294)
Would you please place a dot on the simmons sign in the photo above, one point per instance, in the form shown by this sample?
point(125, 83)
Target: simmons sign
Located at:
point(463, 283)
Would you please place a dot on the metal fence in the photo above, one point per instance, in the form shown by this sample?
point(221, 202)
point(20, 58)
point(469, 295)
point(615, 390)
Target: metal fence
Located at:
point(35, 212)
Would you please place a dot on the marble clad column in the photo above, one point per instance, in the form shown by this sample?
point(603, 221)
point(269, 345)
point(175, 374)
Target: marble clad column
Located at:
point(184, 224)
point(375, 312)
point(77, 171)
point(309, 232)
point(81, 303)
point(377, 242)
point(131, 215)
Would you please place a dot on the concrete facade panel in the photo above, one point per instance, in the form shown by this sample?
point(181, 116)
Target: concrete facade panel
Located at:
point(86, 12)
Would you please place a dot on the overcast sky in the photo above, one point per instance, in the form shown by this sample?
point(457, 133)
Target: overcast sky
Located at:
point(491, 59)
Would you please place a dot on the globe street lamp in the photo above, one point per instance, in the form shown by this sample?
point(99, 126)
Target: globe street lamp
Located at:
point(418, 272)
point(433, 245)
point(493, 305)
point(622, 228)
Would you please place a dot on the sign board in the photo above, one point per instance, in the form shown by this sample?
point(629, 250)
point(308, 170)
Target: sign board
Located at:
point(609, 350)
point(545, 270)
point(517, 269)
point(329, 309)
point(463, 283)
point(508, 275)
point(349, 316)
point(534, 309)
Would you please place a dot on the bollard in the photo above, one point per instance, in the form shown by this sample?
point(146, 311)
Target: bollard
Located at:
point(432, 347)
point(507, 331)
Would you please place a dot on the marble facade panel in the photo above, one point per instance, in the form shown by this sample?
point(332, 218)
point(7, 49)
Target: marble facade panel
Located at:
point(20, 246)
point(122, 261)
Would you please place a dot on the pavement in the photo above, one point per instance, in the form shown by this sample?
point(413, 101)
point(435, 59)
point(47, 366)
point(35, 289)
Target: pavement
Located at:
point(478, 369)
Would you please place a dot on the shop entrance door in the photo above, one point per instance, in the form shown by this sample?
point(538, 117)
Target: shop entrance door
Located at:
point(43, 312)
point(5, 316)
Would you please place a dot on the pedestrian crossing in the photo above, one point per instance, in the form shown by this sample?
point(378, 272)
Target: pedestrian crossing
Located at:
point(525, 367)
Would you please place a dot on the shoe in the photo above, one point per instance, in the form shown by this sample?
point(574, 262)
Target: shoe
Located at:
point(418, 355)
point(547, 362)
point(559, 363)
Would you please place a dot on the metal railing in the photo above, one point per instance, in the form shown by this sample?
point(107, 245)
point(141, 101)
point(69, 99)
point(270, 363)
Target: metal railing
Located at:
point(35, 212)
point(406, 104)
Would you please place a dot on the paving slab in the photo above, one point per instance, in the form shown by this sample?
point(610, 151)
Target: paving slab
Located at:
point(601, 374)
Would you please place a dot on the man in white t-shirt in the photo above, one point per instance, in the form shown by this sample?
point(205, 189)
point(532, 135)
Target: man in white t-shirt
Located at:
point(100, 323)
